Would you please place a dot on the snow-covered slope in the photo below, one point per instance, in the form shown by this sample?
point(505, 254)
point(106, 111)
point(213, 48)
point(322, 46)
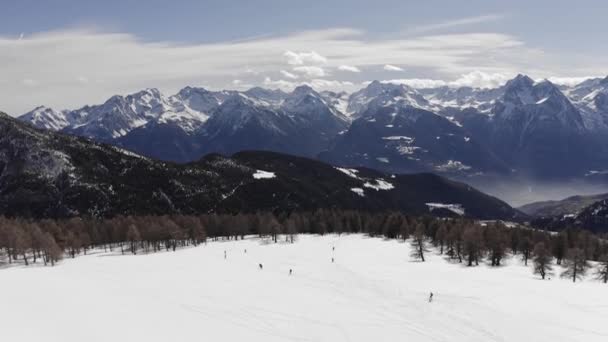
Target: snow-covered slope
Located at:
point(378, 94)
point(462, 97)
point(300, 123)
point(119, 115)
point(372, 292)
point(47, 118)
point(591, 98)
point(408, 139)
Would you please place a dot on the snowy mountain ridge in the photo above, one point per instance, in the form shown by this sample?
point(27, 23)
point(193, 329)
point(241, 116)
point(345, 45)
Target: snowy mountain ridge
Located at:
point(526, 124)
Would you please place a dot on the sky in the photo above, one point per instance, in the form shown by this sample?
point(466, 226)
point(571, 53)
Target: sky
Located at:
point(68, 53)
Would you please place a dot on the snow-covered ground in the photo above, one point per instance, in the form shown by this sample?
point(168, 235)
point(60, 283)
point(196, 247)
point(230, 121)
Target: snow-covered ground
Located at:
point(372, 292)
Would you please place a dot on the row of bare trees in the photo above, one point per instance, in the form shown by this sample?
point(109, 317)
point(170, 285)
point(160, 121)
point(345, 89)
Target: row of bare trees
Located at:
point(470, 242)
point(460, 240)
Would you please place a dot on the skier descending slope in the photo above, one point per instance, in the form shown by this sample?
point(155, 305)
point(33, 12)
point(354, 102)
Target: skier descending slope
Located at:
point(431, 297)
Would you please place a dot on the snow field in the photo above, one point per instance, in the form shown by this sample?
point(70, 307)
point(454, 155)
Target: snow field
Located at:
point(373, 291)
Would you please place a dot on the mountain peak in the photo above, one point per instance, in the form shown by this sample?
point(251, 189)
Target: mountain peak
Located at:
point(45, 117)
point(520, 81)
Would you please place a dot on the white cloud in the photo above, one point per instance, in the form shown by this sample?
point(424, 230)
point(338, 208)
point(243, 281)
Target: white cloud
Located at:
point(475, 79)
point(301, 58)
point(349, 68)
point(480, 79)
point(321, 84)
point(454, 23)
point(418, 82)
point(120, 63)
point(310, 71)
point(570, 81)
point(289, 75)
point(281, 84)
point(240, 84)
point(30, 82)
point(317, 83)
point(389, 67)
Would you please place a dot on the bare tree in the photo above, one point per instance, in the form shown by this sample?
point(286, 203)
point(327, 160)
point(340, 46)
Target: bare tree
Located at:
point(601, 272)
point(496, 242)
point(418, 243)
point(291, 229)
point(133, 237)
point(576, 264)
point(525, 246)
point(542, 260)
point(472, 243)
point(52, 251)
point(560, 247)
point(440, 237)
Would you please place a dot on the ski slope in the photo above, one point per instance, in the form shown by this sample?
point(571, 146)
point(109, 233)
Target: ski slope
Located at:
point(372, 292)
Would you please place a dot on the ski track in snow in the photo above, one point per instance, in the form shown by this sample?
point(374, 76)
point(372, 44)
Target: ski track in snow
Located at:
point(372, 292)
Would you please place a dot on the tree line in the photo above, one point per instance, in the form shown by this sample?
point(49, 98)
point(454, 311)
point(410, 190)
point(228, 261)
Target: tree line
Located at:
point(460, 240)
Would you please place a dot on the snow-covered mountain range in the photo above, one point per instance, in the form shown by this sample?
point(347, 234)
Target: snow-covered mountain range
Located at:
point(532, 128)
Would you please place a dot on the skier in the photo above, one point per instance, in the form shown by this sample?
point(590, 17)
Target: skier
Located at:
point(261, 267)
point(245, 250)
point(332, 259)
point(431, 297)
point(290, 271)
point(224, 254)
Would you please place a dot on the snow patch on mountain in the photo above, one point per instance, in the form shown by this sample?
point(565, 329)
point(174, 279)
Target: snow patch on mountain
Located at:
point(261, 174)
point(455, 208)
point(379, 184)
point(46, 118)
point(400, 137)
point(349, 172)
point(358, 191)
point(452, 165)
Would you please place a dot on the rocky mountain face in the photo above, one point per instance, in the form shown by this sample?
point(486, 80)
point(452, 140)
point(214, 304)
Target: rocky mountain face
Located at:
point(533, 127)
point(524, 128)
point(300, 123)
point(593, 217)
point(49, 174)
point(570, 206)
point(396, 138)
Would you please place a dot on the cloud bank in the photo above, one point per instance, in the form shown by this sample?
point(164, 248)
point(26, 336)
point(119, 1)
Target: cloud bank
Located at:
point(70, 68)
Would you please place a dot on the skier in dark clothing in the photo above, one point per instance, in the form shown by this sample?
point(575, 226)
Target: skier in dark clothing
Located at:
point(290, 270)
point(261, 267)
point(431, 297)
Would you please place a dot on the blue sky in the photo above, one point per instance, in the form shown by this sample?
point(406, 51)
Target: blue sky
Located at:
point(65, 53)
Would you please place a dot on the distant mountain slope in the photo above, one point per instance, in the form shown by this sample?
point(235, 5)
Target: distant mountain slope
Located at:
point(46, 174)
point(593, 217)
point(301, 123)
point(567, 206)
point(397, 139)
